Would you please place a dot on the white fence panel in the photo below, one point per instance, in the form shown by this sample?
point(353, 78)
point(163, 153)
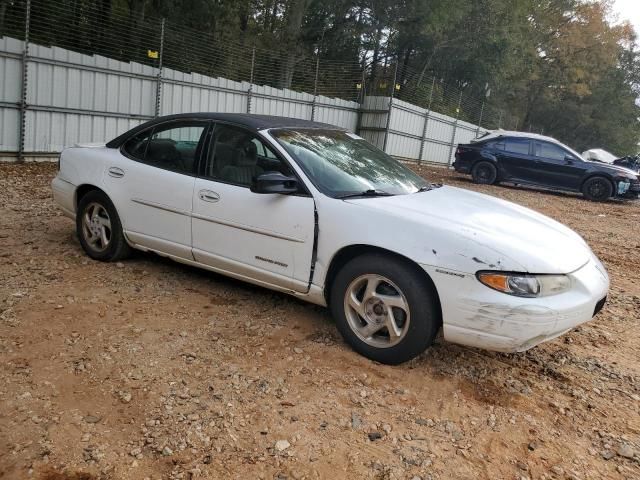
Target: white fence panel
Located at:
point(192, 92)
point(336, 111)
point(282, 103)
point(74, 98)
point(407, 118)
point(10, 95)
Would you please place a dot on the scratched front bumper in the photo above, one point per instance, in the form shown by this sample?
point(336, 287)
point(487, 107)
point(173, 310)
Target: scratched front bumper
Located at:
point(478, 316)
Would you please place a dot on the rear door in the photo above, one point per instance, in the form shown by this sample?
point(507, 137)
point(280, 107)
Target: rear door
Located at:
point(267, 238)
point(515, 161)
point(557, 167)
point(152, 181)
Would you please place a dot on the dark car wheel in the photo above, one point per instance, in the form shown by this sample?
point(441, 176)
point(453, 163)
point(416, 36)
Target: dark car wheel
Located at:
point(385, 308)
point(99, 228)
point(597, 189)
point(484, 173)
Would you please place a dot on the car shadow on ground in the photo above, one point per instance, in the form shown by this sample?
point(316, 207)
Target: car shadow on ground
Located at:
point(542, 190)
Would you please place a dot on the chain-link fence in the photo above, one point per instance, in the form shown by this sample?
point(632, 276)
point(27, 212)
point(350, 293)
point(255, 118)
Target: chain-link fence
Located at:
point(118, 34)
point(429, 91)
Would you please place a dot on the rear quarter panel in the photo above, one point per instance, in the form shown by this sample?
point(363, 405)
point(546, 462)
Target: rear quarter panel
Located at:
point(84, 166)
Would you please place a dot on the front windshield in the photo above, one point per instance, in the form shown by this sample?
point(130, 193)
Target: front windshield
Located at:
point(573, 152)
point(340, 163)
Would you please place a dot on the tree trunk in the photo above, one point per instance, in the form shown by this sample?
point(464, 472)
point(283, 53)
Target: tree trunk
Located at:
point(376, 57)
point(293, 23)
point(274, 15)
point(3, 11)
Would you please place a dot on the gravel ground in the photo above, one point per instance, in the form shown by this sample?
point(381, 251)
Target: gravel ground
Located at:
point(148, 369)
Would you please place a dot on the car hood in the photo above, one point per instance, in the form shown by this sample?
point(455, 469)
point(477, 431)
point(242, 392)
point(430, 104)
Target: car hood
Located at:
point(486, 232)
point(615, 169)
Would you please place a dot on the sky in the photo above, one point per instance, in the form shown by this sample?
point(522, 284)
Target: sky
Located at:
point(628, 10)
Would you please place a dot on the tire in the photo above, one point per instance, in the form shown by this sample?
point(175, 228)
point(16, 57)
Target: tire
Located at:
point(99, 228)
point(597, 189)
point(398, 283)
point(484, 173)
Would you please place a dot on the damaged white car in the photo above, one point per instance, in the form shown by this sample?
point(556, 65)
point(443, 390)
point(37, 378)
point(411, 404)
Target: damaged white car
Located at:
point(317, 212)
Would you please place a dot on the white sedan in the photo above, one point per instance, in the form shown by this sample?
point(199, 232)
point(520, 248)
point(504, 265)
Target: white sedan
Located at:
point(317, 212)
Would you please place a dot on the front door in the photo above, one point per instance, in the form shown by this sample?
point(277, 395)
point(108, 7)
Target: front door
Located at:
point(151, 181)
point(557, 167)
point(267, 238)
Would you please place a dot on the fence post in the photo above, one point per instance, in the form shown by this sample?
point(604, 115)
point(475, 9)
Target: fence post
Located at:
point(361, 102)
point(250, 89)
point(159, 79)
point(25, 77)
point(480, 121)
point(455, 128)
point(393, 88)
point(315, 88)
point(426, 122)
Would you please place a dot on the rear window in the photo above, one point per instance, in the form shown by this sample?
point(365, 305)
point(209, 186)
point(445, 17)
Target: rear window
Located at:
point(495, 144)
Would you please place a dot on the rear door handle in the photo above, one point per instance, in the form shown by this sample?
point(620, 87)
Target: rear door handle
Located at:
point(116, 172)
point(208, 196)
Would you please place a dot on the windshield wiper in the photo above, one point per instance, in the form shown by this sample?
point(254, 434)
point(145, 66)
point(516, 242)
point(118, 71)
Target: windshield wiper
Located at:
point(366, 193)
point(431, 186)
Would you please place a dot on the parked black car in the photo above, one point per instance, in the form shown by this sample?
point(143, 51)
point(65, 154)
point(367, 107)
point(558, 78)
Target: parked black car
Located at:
point(525, 158)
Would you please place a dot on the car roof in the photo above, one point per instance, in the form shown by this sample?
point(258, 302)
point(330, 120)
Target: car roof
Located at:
point(246, 120)
point(512, 133)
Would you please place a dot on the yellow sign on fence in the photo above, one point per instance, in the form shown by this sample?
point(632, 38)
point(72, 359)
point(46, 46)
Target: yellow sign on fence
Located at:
point(152, 53)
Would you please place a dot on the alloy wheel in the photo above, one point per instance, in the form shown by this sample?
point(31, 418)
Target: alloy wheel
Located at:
point(377, 310)
point(96, 227)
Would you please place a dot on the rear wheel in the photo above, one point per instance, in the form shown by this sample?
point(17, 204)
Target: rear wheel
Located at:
point(597, 189)
point(484, 173)
point(384, 308)
point(99, 228)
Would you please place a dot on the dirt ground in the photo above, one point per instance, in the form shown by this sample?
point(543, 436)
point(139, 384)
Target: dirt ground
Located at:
point(149, 369)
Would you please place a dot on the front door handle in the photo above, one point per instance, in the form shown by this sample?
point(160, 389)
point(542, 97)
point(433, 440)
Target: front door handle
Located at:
point(116, 172)
point(208, 196)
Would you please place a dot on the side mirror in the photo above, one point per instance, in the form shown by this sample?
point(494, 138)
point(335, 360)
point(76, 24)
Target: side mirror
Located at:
point(569, 159)
point(275, 182)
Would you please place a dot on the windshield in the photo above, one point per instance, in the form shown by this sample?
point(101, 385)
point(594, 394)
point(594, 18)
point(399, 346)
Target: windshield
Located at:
point(341, 163)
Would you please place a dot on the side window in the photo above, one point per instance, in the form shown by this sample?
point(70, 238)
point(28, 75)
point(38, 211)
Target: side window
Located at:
point(549, 150)
point(136, 146)
point(517, 145)
point(237, 156)
point(174, 146)
point(496, 144)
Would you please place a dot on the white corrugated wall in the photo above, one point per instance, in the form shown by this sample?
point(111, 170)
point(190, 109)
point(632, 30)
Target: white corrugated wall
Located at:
point(75, 98)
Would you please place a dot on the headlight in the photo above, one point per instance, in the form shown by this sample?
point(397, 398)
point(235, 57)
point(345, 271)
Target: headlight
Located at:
point(524, 284)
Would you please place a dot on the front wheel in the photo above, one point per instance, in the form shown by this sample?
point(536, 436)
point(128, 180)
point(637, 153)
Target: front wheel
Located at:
point(597, 189)
point(99, 228)
point(385, 308)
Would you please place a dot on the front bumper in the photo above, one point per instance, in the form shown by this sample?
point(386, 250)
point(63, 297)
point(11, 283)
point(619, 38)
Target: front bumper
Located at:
point(477, 316)
point(628, 189)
